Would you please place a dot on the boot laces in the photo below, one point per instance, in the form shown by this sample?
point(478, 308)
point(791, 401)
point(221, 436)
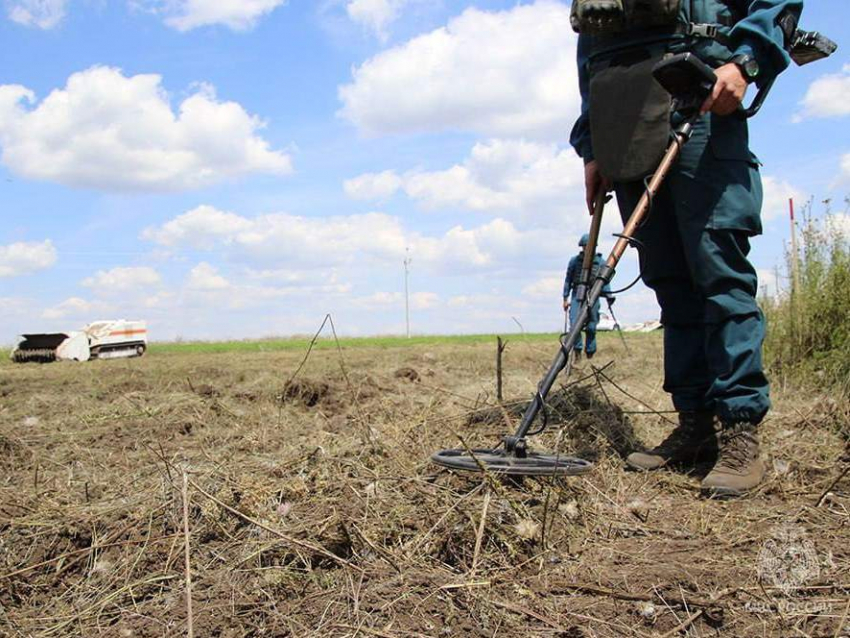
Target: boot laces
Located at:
point(735, 451)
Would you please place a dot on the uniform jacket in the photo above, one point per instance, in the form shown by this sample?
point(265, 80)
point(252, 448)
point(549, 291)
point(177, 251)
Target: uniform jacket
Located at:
point(752, 29)
point(573, 277)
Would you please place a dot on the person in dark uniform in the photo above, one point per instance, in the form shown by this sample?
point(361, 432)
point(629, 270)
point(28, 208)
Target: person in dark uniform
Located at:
point(695, 242)
point(572, 304)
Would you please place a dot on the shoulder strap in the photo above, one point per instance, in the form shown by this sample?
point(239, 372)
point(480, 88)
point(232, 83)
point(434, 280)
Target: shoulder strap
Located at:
point(712, 30)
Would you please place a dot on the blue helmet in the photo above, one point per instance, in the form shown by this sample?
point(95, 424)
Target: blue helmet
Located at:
point(584, 241)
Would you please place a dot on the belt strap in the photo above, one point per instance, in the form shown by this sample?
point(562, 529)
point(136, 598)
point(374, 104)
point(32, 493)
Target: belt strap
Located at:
point(705, 31)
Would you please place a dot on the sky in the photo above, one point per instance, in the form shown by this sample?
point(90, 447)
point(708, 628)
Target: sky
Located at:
point(239, 168)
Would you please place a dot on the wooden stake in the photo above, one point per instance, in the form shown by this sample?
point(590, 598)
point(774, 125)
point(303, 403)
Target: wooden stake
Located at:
point(190, 620)
point(795, 253)
point(479, 537)
point(500, 349)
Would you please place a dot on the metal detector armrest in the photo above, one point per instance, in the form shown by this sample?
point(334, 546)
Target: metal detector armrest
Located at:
point(811, 46)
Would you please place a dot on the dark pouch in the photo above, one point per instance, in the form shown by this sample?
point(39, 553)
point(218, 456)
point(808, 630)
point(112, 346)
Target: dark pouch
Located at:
point(629, 119)
point(645, 14)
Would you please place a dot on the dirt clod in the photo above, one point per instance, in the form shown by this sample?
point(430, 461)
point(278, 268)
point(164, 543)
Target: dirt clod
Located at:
point(306, 392)
point(409, 374)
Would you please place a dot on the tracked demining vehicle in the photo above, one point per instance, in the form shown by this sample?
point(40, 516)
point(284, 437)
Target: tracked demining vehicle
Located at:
point(99, 340)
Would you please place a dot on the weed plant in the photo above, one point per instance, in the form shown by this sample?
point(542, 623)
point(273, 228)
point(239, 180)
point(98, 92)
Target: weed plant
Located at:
point(809, 323)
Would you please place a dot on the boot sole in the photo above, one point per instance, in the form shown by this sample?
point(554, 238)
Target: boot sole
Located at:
point(724, 493)
point(678, 464)
point(638, 468)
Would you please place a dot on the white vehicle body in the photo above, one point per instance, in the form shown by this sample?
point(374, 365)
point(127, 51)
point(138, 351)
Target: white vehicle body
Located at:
point(98, 340)
point(646, 326)
point(59, 346)
point(117, 339)
point(605, 323)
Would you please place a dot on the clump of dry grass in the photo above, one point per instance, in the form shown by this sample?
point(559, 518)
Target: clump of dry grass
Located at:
point(313, 510)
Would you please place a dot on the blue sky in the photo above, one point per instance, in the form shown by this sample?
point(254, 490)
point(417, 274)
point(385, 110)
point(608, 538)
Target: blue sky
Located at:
point(227, 168)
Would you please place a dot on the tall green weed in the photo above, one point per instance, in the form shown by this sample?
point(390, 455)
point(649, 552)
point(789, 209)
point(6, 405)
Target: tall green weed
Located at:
point(809, 325)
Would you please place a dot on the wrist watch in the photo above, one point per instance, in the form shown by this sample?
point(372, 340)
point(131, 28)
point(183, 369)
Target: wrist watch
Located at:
point(749, 66)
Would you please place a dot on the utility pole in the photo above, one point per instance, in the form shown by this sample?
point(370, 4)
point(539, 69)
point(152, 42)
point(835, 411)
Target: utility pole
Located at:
point(407, 262)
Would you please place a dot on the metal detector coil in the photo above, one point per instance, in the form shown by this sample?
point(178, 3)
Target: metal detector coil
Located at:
point(500, 461)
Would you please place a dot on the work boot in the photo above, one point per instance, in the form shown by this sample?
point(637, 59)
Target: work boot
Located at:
point(576, 355)
point(589, 355)
point(740, 467)
point(693, 440)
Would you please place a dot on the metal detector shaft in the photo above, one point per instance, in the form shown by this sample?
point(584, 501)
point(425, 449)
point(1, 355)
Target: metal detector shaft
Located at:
point(606, 273)
point(593, 241)
point(589, 253)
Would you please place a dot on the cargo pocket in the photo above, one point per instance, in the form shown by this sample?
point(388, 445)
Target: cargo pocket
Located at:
point(733, 171)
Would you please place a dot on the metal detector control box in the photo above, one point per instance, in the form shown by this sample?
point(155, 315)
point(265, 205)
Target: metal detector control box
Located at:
point(687, 79)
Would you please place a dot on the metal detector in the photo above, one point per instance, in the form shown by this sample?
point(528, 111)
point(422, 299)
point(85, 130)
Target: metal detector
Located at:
point(689, 82)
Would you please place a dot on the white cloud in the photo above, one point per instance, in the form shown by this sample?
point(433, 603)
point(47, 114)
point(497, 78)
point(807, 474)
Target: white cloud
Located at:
point(424, 300)
point(185, 15)
point(375, 15)
point(14, 307)
point(827, 96)
point(26, 258)
point(845, 168)
point(507, 73)
point(776, 196)
point(108, 131)
point(78, 309)
point(374, 186)
point(122, 279)
point(532, 179)
point(43, 14)
point(381, 300)
point(206, 277)
point(163, 299)
point(547, 287)
point(282, 238)
point(493, 246)
point(201, 228)
point(297, 243)
point(207, 287)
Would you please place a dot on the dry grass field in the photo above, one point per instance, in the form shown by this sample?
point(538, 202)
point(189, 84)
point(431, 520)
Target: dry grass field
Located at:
point(313, 510)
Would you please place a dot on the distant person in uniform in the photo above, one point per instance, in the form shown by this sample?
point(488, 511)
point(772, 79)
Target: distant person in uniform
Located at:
point(572, 304)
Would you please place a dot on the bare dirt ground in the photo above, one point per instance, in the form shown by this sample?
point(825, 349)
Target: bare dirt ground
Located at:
point(313, 509)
